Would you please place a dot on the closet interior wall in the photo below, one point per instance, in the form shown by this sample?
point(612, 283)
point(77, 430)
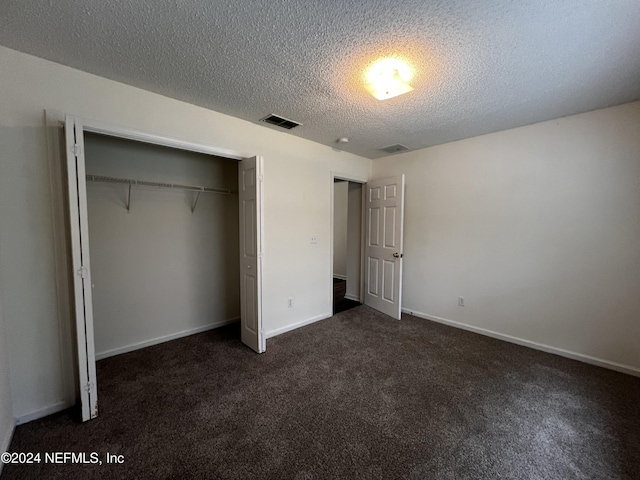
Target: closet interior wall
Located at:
point(354, 240)
point(159, 270)
point(340, 226)
point(347, 235)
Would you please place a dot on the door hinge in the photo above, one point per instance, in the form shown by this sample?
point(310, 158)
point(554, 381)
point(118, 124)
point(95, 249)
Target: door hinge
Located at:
point(88, 387)
point(261, 178)
point(75, 148)
point(83, 272)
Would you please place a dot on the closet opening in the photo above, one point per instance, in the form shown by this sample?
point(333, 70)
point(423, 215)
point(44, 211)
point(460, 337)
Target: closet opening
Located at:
point(177, 229)
point(347, 244)
point(164, 237)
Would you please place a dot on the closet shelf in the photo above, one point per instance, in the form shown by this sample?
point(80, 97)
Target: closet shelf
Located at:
point(145, 183)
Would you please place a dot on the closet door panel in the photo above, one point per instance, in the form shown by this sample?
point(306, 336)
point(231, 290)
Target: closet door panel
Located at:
point(250, 182)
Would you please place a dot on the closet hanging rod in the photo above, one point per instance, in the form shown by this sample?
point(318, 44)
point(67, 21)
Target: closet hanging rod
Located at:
point(145, 183)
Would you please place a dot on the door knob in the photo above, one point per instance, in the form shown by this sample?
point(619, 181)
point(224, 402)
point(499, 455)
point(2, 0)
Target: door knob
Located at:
point(397, 255)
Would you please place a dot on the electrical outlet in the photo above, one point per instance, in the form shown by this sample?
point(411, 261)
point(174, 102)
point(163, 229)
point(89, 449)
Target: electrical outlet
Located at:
point(461, 302)
point(314, 239)
point(290, 302)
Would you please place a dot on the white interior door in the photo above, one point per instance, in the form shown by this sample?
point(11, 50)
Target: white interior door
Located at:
point(250, 202)
point(384, 213)
point(81, 267)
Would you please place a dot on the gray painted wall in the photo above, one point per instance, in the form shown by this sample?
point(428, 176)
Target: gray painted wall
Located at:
point(537, 227)
point(159, 270)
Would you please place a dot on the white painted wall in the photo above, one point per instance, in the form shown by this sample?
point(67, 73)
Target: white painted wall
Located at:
point(340, 211)
point(159, 270)
point(7, 422)
point(297, 186)
point(354, 240)
point(537, 227)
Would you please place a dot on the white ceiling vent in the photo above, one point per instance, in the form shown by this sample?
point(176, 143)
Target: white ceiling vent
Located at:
point(279, 121)
point(398, 147)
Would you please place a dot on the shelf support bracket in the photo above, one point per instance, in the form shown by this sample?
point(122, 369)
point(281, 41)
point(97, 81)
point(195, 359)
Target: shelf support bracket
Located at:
point(193, 208)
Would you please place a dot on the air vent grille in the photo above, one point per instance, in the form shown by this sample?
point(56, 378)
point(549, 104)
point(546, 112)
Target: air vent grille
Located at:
point(281, 122)
point(398, 147)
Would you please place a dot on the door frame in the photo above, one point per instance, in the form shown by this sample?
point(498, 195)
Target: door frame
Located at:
point(56, 142)
point(349, 177)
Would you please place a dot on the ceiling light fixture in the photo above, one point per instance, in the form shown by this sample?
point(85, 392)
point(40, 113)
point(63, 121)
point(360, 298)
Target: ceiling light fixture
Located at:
point(387, 78)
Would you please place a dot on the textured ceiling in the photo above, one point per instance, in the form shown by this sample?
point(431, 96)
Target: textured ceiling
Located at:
point(480, 66)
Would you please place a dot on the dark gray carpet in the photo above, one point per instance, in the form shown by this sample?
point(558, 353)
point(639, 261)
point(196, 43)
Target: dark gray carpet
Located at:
point(356, 396)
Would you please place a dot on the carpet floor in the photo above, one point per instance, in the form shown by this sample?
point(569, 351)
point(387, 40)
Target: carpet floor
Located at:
point(357, 396)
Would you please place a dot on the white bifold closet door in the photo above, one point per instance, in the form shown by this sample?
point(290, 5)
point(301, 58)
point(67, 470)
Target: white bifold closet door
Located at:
point(79, 227)
point(250, 194)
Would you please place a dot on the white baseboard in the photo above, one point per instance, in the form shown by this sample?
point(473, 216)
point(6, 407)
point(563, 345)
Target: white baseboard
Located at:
point(341, 277)
point(165, 338)
point(618, 367)
point(6, 442)
point(288, 328)
point(350, 296)
point(43, 412)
